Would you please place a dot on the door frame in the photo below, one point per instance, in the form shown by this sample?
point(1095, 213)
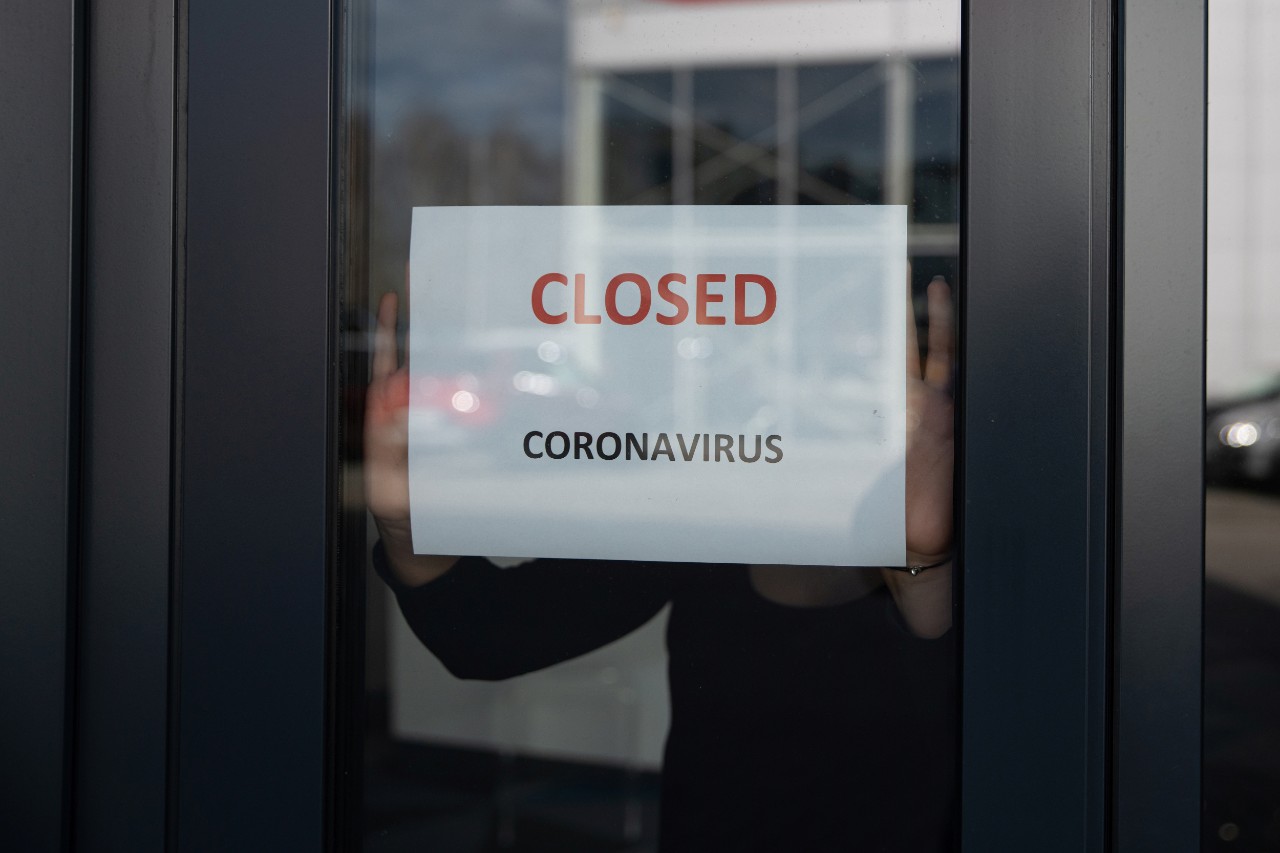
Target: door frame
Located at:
point(1083, 425)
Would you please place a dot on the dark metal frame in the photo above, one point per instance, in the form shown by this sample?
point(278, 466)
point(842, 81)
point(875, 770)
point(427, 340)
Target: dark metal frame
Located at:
point(187, 576)
point(123, 616)
point(1036, 454)
point(41, 241)
point(1160, 440)
point(255, 506)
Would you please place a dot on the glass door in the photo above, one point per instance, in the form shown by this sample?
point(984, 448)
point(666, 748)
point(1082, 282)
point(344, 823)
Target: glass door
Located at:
point(684, 681)
point(1019, 673)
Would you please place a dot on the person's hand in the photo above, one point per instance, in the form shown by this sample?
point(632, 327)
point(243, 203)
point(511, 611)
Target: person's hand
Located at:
point(930, 443)
point(386, 425)
point(386, 454)
point(925, 599)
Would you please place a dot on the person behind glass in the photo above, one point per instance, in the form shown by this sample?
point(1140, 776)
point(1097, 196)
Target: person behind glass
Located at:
point(811, 708)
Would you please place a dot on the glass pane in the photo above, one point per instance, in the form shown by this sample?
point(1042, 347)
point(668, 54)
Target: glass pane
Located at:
point(661, 699)
point(840, 127)
point(638, 124)
point(1242, 434)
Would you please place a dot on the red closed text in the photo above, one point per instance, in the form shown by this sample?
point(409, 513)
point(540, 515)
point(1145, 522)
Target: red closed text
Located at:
point(678, 299)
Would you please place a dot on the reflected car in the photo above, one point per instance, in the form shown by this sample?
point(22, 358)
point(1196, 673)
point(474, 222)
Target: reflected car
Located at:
point(477, 386)
point(1242, 438)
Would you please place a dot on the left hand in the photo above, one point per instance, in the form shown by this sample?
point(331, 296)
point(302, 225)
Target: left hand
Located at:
point(930, 428)
point(924, 600)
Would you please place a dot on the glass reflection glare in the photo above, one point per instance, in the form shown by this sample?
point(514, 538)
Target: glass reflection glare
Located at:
point(534, 383)
point(694, 348)
point(550, 352)
point(465, 402)
point(1239, 434)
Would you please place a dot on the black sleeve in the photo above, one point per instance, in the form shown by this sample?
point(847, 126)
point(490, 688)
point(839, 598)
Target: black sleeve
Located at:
point(489, 623)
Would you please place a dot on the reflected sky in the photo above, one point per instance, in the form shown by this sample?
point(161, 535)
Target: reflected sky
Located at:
point(481, 63)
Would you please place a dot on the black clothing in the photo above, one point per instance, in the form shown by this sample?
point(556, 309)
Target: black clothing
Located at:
point(810, 729)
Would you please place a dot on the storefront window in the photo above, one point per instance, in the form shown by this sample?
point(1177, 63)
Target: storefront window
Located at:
point(518, 700)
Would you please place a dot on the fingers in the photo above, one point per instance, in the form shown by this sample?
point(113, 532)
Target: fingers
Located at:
point(408, 294)
point(937, 366)
point(384, 338)
point(913, 343)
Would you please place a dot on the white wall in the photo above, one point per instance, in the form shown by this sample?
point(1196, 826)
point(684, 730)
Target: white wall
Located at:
point(639, 35)
point(1243, 192)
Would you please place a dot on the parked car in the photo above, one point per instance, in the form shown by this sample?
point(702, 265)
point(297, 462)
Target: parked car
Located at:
point(1242, 438)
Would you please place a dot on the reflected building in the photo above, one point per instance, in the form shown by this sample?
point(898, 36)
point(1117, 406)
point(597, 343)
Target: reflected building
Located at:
point(826, 102)
point(780, 102)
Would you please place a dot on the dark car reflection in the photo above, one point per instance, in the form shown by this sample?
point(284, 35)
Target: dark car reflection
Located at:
point(470, 389)
point(1242, 437)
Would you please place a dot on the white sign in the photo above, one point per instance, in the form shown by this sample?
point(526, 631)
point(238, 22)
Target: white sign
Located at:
point(692, 383)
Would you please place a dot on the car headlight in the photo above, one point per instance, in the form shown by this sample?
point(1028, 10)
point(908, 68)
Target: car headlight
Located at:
point(1239, 434)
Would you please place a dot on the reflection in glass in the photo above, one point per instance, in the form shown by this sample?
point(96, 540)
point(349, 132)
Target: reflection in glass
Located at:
point(760, 720)
point(1241, 781)
point(735, 133)
point(840, 122)
point(936, 123)
point(640, 124)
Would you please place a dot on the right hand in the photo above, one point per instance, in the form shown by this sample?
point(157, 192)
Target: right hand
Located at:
point(386, 454)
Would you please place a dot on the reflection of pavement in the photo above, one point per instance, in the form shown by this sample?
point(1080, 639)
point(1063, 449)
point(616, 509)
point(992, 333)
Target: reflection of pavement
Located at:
point(1242, 673)
point(1242, 542)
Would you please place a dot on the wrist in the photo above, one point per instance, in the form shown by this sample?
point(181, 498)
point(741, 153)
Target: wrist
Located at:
point(924, 600)
point(396, 534)
point(940, 554)
point(409, 568)
point(919, 576)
